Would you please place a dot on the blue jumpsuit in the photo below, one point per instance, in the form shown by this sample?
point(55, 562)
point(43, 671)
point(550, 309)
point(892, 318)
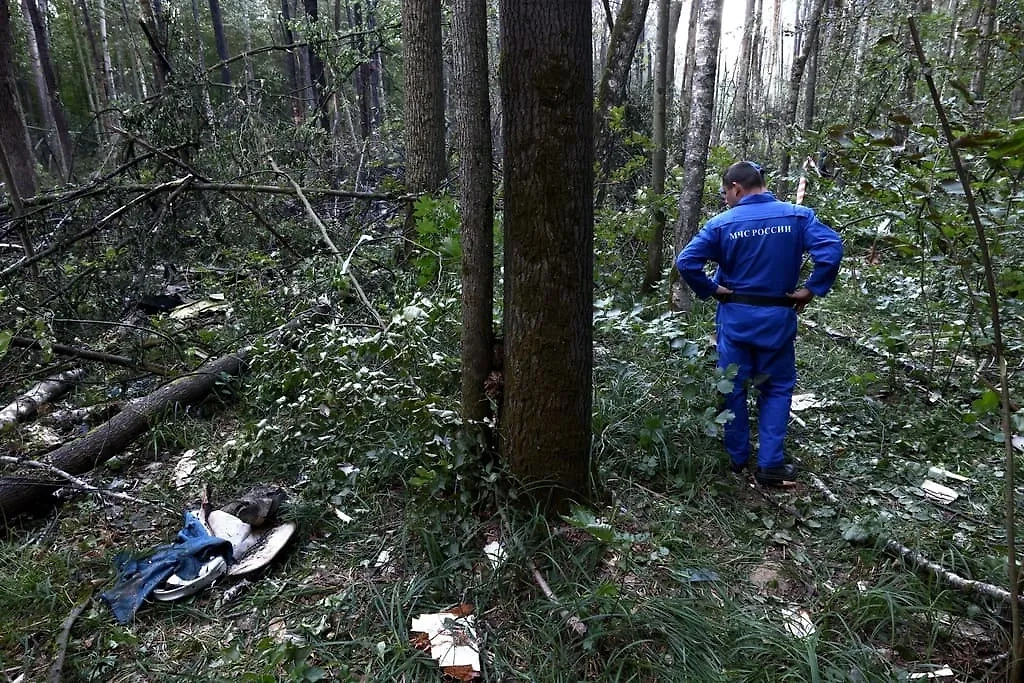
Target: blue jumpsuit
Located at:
point(759, 246)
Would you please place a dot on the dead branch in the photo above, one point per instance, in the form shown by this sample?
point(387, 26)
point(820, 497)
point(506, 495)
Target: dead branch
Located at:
point(46, 391)
point(334, 250)
point(79, 483)
point(87, 354)
point(54, 676)
point(575, 623)
point(920, 562)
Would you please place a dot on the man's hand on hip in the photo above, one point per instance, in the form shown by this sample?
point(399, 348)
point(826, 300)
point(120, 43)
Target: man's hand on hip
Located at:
point(802, 297)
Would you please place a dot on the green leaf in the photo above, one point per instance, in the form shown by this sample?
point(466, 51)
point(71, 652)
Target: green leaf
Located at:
point(5, 341)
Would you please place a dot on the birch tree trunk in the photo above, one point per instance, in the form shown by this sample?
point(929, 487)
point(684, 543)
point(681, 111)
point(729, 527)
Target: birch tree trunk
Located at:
point(108, 69)
point(547, 90)
point(792, 99)
point(654, 246)
point(698, 134)
point(612, 90)
point(476, 187)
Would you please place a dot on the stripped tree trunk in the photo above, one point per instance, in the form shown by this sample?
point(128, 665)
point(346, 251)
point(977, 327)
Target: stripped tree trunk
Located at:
point(476, 186)
point(698, 135)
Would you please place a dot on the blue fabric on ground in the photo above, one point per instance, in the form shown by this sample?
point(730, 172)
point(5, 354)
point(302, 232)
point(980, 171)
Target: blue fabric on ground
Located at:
point(138, 577)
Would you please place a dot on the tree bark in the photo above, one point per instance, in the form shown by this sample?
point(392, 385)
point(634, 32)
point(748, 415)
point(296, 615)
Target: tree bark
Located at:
point(15, 145)
point(291, 66)
point(476, 182)
point(51, 105)
point(205, 105)
point(153, 33)
point(221, 41)
point(25, 491)
point(983, 51)
point(317, 78)
point(547, 90)
point(654, 246)
point(686, 87)
point(423, 70)
point(741, 115)
point(698, 134)
point(612, 90)
point(793, 96)
point(108, 68)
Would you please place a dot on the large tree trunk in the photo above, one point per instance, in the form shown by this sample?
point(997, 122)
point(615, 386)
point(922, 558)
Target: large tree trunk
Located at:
point(792, 99)
point(423, 71)
point(361, 75)
point(698, 134)
point(611, 92)
point(221, 41)
point(150, 20)
point(654, 246)
point(52, 106)
point(26, 405)
point(27, 491)
point(476, 182)
point(15, 146)
point(205, 105)
point(547, 90)
point(108, 68)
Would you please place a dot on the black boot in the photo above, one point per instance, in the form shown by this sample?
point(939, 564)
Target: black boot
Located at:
point(783, 475)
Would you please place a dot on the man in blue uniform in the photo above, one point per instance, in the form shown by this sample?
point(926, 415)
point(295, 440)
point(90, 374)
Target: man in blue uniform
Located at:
point(758, 244)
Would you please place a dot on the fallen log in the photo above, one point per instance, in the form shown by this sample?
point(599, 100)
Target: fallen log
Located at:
point(26, 491)
point(25, 406)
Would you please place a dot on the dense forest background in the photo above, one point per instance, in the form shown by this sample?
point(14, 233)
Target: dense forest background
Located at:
point(410, 261)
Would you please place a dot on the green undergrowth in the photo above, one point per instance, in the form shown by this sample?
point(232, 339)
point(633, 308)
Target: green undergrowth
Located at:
point(682, 571)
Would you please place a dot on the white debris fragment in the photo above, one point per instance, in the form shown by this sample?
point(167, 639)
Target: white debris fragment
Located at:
point(495, 553)
point(941, 474)
point(798, 621)
point(937, 492)
point(382, 558)
point(453, 639)
point(183, 470)
point(805, 401)
point(943, 674)
point(342, 516)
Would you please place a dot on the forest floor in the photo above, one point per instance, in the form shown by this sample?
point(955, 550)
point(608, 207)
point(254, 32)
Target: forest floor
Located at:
point(682, 572)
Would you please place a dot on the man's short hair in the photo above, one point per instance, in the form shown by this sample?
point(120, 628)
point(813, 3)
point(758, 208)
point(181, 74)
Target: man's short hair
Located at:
point(747, 173)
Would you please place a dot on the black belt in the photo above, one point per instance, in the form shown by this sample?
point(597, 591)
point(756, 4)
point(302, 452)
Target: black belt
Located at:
point(754, 300)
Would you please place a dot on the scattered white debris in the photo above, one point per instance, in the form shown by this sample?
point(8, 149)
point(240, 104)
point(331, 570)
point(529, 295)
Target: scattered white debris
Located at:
point(208, 305)
point(342, 516)
point(943, 674)
point(798, 621)
point(937, 492)
point(1018, 442)
point(347, 469)
point(495, 553)
point(453, 638)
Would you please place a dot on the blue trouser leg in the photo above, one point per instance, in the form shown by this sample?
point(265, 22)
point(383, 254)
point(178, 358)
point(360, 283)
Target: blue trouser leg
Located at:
point(776, 394)
point(737, 431)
